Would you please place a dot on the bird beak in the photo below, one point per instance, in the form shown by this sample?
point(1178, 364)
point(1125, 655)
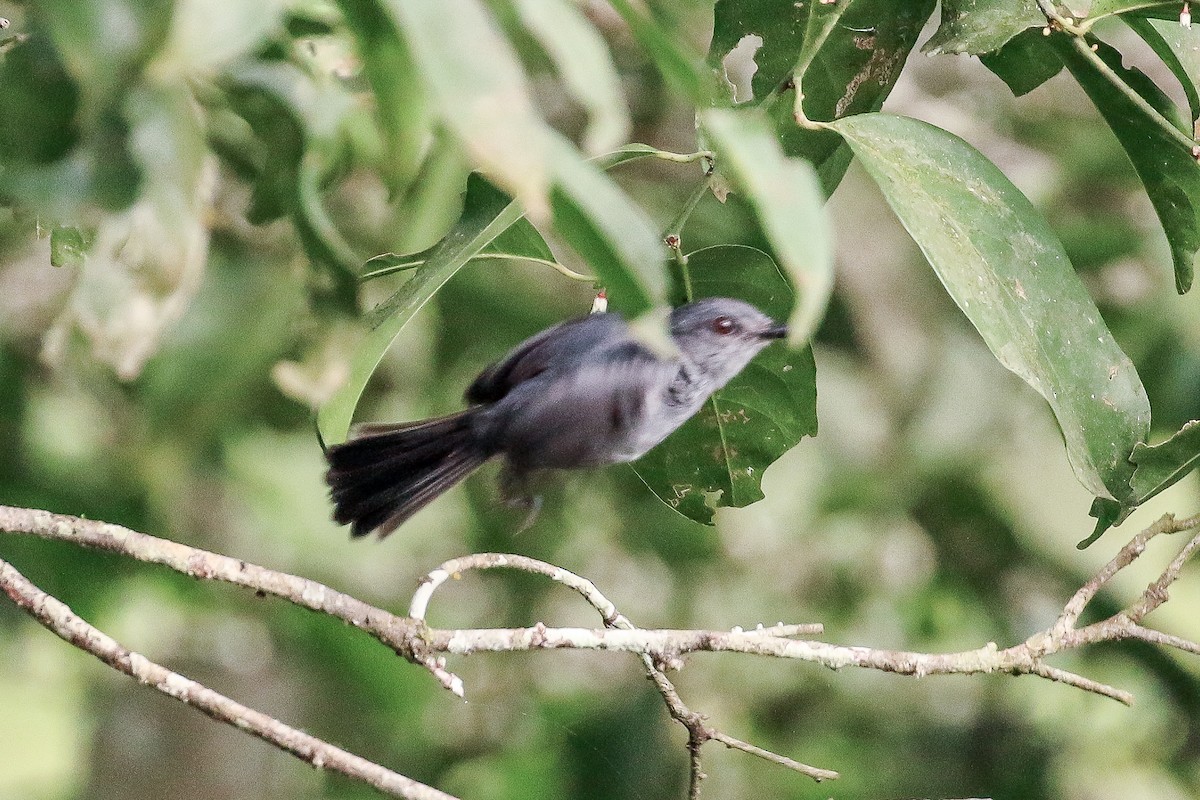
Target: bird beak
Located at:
point(775, 332)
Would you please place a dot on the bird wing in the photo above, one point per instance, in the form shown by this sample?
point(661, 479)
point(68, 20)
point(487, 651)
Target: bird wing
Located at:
point(553, 348)
point(591, 413)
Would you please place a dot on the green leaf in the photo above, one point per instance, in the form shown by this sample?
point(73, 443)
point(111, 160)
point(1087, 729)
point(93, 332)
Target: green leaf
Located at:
point(780, 24)
point(981, 26)
point(610, 231)
point(787, 202)
point(717, 458)
point(1025, 62)
point(683, 70)
point(402, 103)
point(581, 57)
point(486, 213)
point(1162, 465)
point(1178, 48)
point(68, 247)
point(852, 72)
point(479, 89)
point(40, 101)
point(1007, 271)
point(1105, 8)
point(1167, 168)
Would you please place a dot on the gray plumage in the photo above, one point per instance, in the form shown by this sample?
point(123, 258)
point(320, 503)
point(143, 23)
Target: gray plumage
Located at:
point(583, 393)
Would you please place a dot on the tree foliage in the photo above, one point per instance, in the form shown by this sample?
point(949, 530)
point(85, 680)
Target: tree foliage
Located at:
point(176, 154)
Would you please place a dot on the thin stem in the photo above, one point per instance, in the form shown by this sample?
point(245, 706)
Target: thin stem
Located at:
point(812, 46)
point(677, 225)
point(1078, 32)
point(1143, 105)
point(392, 269)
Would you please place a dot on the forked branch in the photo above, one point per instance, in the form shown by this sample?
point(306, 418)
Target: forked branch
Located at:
point(659, 650)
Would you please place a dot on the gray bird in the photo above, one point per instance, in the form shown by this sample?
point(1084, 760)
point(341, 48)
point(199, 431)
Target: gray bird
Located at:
point(583, 393)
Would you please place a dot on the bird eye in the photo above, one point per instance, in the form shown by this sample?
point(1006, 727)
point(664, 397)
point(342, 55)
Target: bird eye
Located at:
point(724, 326)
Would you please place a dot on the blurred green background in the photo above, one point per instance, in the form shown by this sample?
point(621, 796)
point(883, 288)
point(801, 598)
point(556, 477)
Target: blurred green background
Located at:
point(935, 510)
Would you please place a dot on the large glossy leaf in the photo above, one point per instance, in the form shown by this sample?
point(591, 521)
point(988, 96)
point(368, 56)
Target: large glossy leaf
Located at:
point(479, 89)
point(581, 57)
point(1008, 273)
point(486, 213)
point(852, 72)
point(1167, 168)
point(981, 26)
point(717, 458)
point(787, 203)
point(1164, 464)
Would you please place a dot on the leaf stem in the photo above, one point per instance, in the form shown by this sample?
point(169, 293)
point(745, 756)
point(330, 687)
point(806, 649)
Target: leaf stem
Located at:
point(1079, 42)
point(808, 52)
point(1124, 88)
point(567, 271)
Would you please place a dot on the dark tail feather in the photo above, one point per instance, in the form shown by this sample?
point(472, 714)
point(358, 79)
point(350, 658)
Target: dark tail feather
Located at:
point(387, 473)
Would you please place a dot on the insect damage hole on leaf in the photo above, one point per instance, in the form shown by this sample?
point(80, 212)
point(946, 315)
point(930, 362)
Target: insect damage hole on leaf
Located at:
point(740, 67)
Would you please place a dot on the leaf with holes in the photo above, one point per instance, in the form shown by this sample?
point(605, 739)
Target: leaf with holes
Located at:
point(717, 458)
point(853, 71)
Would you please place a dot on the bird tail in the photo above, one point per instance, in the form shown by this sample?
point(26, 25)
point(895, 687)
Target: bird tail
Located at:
point(386, 473)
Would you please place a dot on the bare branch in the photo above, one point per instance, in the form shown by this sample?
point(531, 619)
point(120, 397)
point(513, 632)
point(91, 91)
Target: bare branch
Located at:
point(59, 619)
point(658, 650)
point(621, 631)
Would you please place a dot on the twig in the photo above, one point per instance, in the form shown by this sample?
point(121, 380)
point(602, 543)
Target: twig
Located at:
point(59, 619)
point(654, 660)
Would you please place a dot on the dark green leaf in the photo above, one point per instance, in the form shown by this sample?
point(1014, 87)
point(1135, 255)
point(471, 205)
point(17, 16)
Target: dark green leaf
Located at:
point(1179, 49)
point(486, 213)
point(787, 203)
point(982, 26)
point(39, 101)
point(1163, 465)
point(1167, 169)
point(781, 24)
point(853, 71)
point(1025, 62)
point(1009, 274)
point(68, 247)
point(717, 458)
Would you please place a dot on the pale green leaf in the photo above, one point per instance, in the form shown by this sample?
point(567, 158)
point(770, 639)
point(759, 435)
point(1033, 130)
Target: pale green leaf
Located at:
point(787, 202)
point(1008, 273)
